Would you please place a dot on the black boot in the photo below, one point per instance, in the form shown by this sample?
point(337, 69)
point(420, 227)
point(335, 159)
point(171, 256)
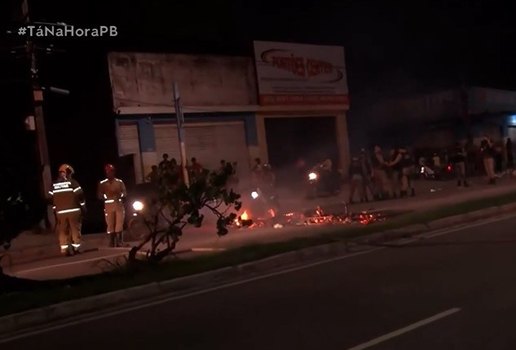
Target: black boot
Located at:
point(119, 241)
point(112, 240)
point(403, 194)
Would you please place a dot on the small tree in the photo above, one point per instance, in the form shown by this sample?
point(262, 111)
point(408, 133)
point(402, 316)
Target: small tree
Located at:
point(175, 206)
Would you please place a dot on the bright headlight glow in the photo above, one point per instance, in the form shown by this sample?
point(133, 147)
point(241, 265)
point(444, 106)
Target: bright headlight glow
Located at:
point(422, 170)
point(254, 194)
point(137, 205)
point(312, 176)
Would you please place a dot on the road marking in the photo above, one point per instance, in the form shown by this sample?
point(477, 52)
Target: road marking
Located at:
point(445, 231)
point(407, 329)
point(165, 300)
point(207, 249)
point(66, 264)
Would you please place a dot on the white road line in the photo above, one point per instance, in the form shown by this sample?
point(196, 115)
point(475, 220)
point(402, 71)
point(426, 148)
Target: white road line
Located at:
point(209, 290)
point(445, 231)
point(404, 330)
point(179, 297)
point(208, 249)
point(66, 264)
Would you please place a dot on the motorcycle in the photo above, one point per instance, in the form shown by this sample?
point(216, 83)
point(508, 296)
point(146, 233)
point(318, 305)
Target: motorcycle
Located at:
point(138, 204)
point(428, 173)
point(322, 182)
point(263, 207)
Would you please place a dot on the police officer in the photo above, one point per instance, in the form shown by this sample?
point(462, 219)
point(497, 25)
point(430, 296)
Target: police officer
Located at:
point(112, 191)
point(408, 169)
point(69, 205)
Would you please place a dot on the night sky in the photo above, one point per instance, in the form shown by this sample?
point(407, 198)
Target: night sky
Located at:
point(391, 48)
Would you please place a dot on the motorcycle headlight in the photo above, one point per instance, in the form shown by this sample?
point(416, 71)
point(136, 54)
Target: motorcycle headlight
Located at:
point(138, 206)
point(312, 176)
point(254, 194)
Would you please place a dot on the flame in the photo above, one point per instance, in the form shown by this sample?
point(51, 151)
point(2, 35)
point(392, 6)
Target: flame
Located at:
point(244, 216)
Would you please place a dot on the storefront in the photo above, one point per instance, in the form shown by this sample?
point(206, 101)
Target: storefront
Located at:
point(229, 115)
point(303, 98)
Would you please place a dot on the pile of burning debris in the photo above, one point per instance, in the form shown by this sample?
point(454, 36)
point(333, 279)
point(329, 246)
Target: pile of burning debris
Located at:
point(316, 217)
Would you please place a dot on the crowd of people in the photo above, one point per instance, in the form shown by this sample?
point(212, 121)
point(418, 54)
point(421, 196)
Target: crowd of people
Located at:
point(172, 170)
point(385, 175)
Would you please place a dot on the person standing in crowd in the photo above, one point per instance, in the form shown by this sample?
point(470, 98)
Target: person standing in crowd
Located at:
point(195, 170)
point(222, 166)
point(486, 149)
point(356, 175)
point(408, 170)
point(401, 165)
point(112, 191)
point(436, 160)
point(257, 171)
point(164, 165)
point(459, 164)
point(471, 158)
point(510, 155)
point(153, 176)
point(395, 167)
point(380, 174)
point(498, 157)
point(268, 183)
point(69, 207)
point(367, 169)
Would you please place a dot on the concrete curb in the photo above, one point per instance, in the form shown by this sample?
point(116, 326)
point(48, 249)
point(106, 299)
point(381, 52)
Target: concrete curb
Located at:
point(11, 324)
point(47, 251)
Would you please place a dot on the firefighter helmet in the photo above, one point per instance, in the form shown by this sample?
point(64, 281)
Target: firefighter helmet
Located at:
point(109, 167)
point(66, 168)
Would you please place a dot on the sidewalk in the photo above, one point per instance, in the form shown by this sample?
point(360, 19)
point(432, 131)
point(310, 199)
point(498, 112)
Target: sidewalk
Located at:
point(34, 256)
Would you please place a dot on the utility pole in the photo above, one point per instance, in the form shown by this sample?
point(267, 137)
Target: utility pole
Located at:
point(37, 93)
point(180, 132)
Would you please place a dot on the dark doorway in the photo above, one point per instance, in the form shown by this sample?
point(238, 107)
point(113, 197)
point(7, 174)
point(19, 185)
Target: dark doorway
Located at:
point(312, 139)
point(125, 166)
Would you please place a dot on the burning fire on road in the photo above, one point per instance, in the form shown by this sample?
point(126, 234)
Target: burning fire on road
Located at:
point(317, 217)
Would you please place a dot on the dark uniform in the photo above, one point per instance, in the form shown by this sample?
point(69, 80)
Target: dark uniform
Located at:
point(408, 169)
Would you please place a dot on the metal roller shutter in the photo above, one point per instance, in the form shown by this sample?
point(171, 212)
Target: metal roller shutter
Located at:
point(209, 143)
point(128, 143)
point(166, 141)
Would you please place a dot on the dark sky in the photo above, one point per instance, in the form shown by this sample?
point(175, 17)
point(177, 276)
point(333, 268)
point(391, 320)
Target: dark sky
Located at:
point(391, 47)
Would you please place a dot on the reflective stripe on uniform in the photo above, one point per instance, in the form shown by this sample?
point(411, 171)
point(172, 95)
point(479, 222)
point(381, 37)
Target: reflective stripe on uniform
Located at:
point(64, 247)
point(51, 193)
point(77, 189)
point(83, 204)
point(68, 211)
point(76, 245)
point(109, 201)
point(105, 180)
point(63, 190)
point(64, 184)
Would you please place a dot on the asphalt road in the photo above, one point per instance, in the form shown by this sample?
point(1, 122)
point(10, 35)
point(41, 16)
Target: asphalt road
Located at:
point(453, 291)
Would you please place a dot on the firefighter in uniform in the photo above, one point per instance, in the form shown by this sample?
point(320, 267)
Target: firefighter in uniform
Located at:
point(112, 191)
point(69, 205)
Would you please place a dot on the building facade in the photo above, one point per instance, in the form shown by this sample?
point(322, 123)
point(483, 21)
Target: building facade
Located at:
point(438, 119)
point(235, 108)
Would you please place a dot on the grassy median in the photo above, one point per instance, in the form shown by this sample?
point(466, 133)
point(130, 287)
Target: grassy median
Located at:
point(52, 292)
